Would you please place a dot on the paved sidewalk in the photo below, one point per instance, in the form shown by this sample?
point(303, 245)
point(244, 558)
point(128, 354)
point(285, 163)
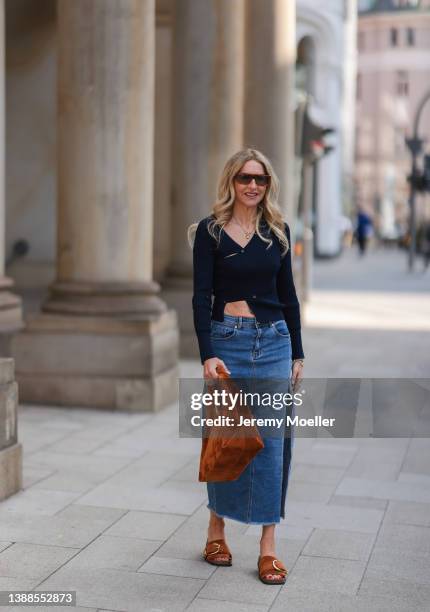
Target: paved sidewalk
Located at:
point(112, 508)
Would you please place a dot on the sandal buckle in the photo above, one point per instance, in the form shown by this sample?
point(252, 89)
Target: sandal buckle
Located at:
point(279, 569)
point(215, 551)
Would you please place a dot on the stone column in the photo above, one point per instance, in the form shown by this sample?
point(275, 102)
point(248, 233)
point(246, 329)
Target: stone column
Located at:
point(10, 449)
point(269, 88)
point(105, 337)
point(10, 304)
point(208, 55)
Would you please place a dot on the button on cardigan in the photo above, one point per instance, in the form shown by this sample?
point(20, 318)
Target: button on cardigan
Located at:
point(254, 273)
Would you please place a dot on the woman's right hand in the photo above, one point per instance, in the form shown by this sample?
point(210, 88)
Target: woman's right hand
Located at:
point(210, 365)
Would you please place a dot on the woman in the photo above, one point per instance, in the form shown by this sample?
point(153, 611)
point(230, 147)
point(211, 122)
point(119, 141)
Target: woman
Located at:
point(241, 253)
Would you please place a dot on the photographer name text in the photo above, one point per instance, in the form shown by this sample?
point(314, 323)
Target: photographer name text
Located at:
point(296, 421)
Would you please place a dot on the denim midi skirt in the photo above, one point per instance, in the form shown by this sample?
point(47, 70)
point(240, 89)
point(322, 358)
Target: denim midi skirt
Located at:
point(253, 352)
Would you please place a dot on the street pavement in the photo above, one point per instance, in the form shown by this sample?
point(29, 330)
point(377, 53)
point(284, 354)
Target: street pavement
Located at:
point(112, 508)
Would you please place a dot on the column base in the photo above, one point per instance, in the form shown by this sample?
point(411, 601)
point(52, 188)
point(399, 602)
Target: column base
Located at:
point(10, 449)
point(128, 363)
point(11, 319)
point(127, 300)
point(10, 470)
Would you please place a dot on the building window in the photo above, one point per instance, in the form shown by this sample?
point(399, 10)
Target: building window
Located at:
point(406, 3)
point(410, 36)
point(393, 37)
point(305, 65)
point(402, 85)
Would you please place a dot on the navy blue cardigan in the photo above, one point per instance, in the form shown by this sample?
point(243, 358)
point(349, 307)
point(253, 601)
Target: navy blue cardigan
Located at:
point(254, 273)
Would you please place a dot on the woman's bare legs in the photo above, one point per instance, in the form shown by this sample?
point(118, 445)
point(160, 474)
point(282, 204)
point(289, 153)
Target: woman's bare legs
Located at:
point(267, 547)
point(216, 531)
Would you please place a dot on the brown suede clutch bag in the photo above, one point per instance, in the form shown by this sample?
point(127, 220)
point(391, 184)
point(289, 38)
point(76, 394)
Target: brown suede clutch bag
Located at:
point(227, 449)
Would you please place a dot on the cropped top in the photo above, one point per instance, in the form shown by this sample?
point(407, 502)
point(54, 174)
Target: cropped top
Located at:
point(254, 273)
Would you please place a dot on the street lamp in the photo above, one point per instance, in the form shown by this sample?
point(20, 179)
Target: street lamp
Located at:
point(415, 146)
point(311, 146)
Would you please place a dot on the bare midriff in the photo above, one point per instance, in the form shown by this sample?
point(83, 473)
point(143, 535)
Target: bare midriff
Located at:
point(238, 309)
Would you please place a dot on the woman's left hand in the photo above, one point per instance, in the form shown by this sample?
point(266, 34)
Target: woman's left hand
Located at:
point(297, 374)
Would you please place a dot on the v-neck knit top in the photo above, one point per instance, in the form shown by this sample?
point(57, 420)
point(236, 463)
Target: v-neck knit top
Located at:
point(254, 273)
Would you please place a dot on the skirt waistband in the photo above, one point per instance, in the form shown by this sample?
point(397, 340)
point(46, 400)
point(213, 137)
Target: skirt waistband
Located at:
point(241, 321)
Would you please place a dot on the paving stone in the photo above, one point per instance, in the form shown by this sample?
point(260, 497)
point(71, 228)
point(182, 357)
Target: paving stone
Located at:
point(381, 489)
point(51, 609)
point(187, 473)
point(149, 498)
point(139, 472)
point(119, 449)
point(114, 552)
point(396, 565)
point(33, 560)
point(326, 574)
point(310, 491)
point(200, 604)
point(184, 546)
point(230, 584)
point(185, 488)
point(421, 479)
point(150, 441)
point(34, 437)
point(37, 501)
point(32, 474)
point(417, 458)
point(60, 530)
point(80, 443)
point(340, 544)
point(411, 594)
point(326, 455)
point(301, 472)
point(8, 583)
point(374, 469)
point(170, 566)
point(358, 502)
point(96, 468)
point(119, 590)
point(403, 539)
point(131, 444)
point(173, 460)
point(67, 482)
point(313, 514)
point(146, 525)
point(405, 512)
point(307, 600)
point(102, 517)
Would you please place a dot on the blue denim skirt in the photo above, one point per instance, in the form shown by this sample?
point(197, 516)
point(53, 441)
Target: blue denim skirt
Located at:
point(255, 351)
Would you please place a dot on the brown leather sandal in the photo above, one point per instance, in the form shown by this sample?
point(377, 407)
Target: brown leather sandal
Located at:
point(216, 549)
point(271, 565)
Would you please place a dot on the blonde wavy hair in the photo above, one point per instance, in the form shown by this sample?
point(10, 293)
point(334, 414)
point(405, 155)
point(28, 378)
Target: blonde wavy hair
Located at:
point(267, 210)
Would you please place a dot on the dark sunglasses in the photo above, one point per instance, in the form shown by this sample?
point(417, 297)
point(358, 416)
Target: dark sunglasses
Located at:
point(262, 180)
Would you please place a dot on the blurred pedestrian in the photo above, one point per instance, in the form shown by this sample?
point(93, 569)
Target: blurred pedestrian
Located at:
point(425, 245)
point(363, 230)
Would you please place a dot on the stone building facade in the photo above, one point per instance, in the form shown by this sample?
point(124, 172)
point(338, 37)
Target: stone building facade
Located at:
point(393, 76)
point(326, 41)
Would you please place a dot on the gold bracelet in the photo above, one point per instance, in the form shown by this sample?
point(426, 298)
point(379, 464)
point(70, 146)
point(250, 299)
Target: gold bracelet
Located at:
point(302, 362)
